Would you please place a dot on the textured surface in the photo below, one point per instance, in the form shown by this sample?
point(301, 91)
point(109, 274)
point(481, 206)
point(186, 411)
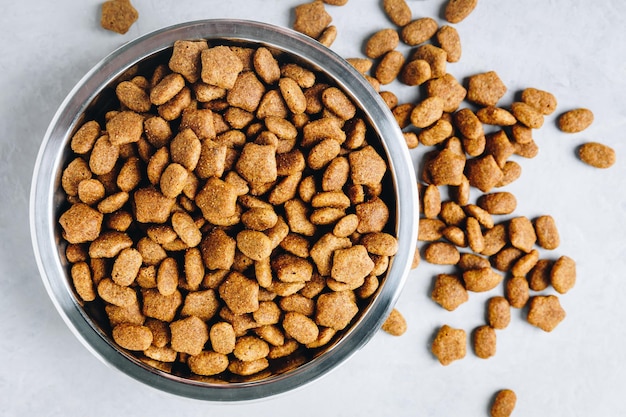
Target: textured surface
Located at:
point(572, 48)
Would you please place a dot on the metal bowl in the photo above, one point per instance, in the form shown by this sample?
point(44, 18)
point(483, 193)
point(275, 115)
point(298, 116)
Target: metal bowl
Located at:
point(47, 201)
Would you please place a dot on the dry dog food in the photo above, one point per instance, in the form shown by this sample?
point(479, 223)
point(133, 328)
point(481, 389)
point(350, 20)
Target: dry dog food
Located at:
point(230, 213)
point(545, 312)
point(597, 155)
point(398, 11)
point(395, 324)
point(118, 15)
point(574, 121)
point(449, 344)
point(503, 403)
point(457, 10)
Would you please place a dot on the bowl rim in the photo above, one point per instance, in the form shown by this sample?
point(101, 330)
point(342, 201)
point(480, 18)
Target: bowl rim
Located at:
point(46, 179)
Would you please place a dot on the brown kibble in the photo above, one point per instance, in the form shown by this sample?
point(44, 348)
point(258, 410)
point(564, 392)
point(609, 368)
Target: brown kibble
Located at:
point(449, 344)
point(527, 115)
point(104, 156)
point(498, 312)
point(389, 67)
point(81, 223)
point(525, 263)
point(539, 276)
point(222, 336)
point(446, 168)
point(220, 66)
point(85, 137)
point(457, 10)
point(597, 155)
point(547, 232)
point(328, 36)
point(468, 124)
point(480, 280)
point(449, 291)
point(208, 363)
point(335, 310)
point(449, 40)
point(300, 327)
point(427, 112)
point(118, 15)
point(563, 274)
point(484, 342)
point(395, 323)
point(511, 171)
point(484, 173)
point(441, 253)
point(545, 312)
point(498, 116)
point(83, 284)
point(498, 203)
point(574, 121)
point(240, 293)
point(542, 101)
point(449, 89)
point(430, 230)
point(381, 42)
point(485, 89)
point(132, 336)
point(250, 348)
point(189, 335)
point(351, 265)
point(338, 103)
point(398, 11)
point(522, 233)
point(517, 291)
point(419, 31)
point(503, 404)
point(311, 19)
point(435, 56)
point(431, 201)
point(415, 72)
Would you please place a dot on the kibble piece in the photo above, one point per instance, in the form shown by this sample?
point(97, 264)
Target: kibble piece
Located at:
point(503, 403)
point(415, 72)
point(511, 171)
point(300, 327)
point(441, 253)
point(485, 89)
point(480, 280)
point(335, 310)
point(83, 284)
point(522, 233)
point(311, 18)
point(468, 124)
point(81, 223)
point(222, 337)
point(517, 291)
point(542, 101)
point(472, 261)
point(189, 335)
point(389, 67)
point(457, 10)
point(498, 312)
point(126, 266)
point(133, 96)
point(498, 203)
point(597, 155)
point(484, 342)
point(484, 173)
point(449, 40)
point(115, 294)
point(525, 263)
point(427, 112)
point(118, 15)
point(449, 291)
point(527, 115)
point(446, 168)
point(419, 31)
point(104, 156)
point(539, 276)
point(431, 202)
point(395, 323)
point(398, 11)
point(220, 66)
point(574, 121)
point(250, 348)
point(338, 103)
point(449, 344)
point(208, 363)
point(132, 336)
point(449, 89)
point(545, 312)
point(240, 293)
point(498, 116)
point(563, 274)
point(85, 137)
point(351, 265)
point(547, 232)
point(381, 42)
point(247, 368)
point(435, 56)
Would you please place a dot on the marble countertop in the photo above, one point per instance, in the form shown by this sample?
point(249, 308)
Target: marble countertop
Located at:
point(572, 48)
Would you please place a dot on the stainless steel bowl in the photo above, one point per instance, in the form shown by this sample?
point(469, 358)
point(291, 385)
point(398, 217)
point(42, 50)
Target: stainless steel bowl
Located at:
point(95, 89)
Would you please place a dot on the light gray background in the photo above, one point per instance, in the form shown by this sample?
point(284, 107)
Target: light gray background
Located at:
point(573, 48)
